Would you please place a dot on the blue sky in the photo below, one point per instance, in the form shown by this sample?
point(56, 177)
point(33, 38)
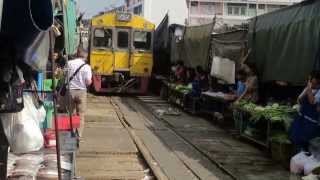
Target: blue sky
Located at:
point(92, 7)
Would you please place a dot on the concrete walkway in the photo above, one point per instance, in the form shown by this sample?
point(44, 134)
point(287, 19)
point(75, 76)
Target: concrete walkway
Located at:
point(107, 151)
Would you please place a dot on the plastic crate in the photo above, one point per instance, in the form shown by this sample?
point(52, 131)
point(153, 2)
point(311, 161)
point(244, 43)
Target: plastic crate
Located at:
point(64, 122)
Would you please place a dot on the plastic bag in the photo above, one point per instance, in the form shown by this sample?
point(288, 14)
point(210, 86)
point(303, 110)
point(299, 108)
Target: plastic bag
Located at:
point(48, 173)
point(37, 114)
point(27, 167)
point(298, 162)
point(224, 69)
point(310, 165)
point(11, 163)
point(38, 59)
point(314, 148)
point(22, 129)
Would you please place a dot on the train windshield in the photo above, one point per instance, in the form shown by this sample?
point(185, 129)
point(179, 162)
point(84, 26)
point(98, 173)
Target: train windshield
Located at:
point(123, 39)
point(142, 40)
point(102, 38)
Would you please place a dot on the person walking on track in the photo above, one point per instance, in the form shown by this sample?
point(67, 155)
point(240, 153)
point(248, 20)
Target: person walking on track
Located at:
point(80, 75)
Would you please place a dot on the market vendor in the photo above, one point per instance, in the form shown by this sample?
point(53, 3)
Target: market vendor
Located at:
point(240, 86)
point(180, 73)
point(190, 75)
point(306, 125)
point(250, 92)
point(202, 78)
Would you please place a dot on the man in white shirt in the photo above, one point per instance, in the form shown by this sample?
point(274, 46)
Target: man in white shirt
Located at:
point(78, 85)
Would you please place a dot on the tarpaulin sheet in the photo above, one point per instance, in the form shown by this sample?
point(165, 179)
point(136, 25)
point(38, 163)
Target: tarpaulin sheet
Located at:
point(230, 45)
point(194, 49)
point(161, 48)
point(175, 43)
point(285, 43)
point(161, 35)
point(70, 27)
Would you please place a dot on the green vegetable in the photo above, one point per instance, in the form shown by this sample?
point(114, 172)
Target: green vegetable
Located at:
point(274, 112)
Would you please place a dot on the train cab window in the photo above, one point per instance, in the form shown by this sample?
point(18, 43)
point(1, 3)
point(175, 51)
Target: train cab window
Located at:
point(123, 39)
point(102, 38)
point(142, 40)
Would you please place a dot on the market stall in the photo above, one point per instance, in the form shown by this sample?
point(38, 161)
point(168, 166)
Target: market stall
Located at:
point(271, 83)
point(36, 142)
point(263, 125)
point(177, 94)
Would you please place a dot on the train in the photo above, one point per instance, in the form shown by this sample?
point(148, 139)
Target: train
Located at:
point(121, 53)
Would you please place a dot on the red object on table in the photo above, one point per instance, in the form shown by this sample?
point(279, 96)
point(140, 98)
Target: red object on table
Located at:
point(64, 122)
point(50, 139)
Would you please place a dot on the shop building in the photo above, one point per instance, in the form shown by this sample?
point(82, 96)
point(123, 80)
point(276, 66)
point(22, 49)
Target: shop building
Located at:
point(155, 10)
point(231, 12)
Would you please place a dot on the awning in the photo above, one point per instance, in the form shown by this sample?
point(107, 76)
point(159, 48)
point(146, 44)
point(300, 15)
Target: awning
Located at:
point(285, 44)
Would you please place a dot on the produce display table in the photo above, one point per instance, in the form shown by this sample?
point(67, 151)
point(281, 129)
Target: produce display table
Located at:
point(212, 102)
point(175, 93)
point(261, 123)
point(258, 133)
point(177, 97)
point(192, 104)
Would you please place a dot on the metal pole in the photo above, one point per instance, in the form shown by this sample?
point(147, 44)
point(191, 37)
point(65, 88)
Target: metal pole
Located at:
point(55, 108)
point(69, 102)
point(67, 40)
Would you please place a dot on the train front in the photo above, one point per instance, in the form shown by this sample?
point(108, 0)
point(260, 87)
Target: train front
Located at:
point(121, 54)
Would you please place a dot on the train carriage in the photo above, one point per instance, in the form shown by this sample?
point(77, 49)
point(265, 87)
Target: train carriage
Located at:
point(121, 54)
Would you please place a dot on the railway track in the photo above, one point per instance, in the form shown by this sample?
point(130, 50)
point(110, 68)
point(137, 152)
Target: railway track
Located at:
point(236, 159)
point(137, 135)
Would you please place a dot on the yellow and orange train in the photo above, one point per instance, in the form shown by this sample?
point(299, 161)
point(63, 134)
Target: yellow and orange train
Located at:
point(121, 53)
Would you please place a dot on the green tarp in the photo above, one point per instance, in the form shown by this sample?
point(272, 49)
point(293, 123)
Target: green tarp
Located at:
point(285, 43)
point(231, 45)
point(194, 49)
point(70, 27)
